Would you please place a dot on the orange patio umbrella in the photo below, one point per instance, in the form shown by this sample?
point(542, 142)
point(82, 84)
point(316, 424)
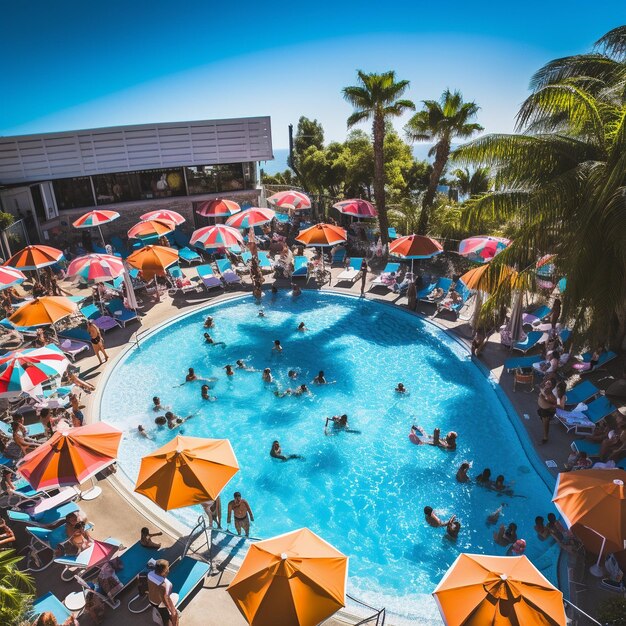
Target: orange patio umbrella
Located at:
point(485, 278)
point(153, 260)
point(35, 257)
point(322, 235)
point(72, 456)
point(44, 310)
point(186, 471)
point(479, 590)
point(415, 247)
point(151, 228)
point(595, 499)
point(296, 579)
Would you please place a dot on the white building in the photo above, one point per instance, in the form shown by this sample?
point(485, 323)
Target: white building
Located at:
point(50, 179)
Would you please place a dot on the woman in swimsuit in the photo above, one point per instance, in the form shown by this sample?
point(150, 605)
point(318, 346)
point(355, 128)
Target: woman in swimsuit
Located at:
point(97, 342)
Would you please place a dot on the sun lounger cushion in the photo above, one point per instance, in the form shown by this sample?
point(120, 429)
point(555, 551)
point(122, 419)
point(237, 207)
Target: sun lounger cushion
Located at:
point(300, 266)
point(575, 420)
point(533, 338)
point(226, 270)
point(186, 575)
point(599, 409)
point(536, 315)
point(47, 518)
point(51, 604)
point(581, 392)
point(264, 261)
point(592, 448)
point(518, 362)
point(120, 312)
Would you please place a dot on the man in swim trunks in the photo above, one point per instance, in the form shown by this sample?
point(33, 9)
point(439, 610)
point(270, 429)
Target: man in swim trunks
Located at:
point(97, 342)
point(433, 520)
point(242, 513)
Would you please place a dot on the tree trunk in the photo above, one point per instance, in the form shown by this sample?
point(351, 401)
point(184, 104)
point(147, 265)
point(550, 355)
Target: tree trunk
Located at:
point(379, 176)
point(441, 159)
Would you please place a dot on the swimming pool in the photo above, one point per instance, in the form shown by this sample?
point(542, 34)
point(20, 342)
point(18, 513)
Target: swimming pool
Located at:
point(363, 492)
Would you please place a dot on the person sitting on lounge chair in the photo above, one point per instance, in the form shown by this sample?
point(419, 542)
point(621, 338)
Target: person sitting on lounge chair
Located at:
point(593, 361)
point(436, 294)
point(578, 461)
point(452, 297)
point(550, 366)
point(388, 279)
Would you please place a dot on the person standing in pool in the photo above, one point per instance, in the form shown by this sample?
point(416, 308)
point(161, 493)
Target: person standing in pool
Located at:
point(229, 370)
point(432, 519)
point(97, 341)
point(363, 276)
point(267, 375)
point(320, 379)
point(208, 339)
point(191, 376)
point(461, 473)
point(276, 452)
point(156, 404)
point(240, 510)
point(277, 347)
point(204, 392)
point(208, 322)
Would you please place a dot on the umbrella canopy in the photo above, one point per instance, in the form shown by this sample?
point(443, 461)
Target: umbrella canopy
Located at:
point(289, 199)
point(254, 216)
point(186, 471)
point(152, 261)
point(164, 214)
point(415, 247)
point(96, 267)
point(43, 311)
point(10, 276)
point(322, 235)
point(35, 257)
point(97, 552)
point(95, 218)
point(482, 248)
point(71, 457)
point(293, 579)
point(595, 499)
point(151, 228)
point(24, 371)
point(217, 236)
point(357, 208)
point(218, 208)
point(479, 590)
point(482, 278)
point(514, 327)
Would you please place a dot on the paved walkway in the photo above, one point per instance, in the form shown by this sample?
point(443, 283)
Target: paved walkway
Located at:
point(115, 515)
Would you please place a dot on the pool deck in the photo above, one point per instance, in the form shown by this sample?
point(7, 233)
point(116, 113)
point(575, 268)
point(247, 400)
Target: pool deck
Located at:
point(113, 514)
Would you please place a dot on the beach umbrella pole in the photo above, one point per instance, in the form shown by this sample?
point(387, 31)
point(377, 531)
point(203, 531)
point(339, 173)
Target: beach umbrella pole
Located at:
point(596, 569)
point(101, 235)
point(93, 492)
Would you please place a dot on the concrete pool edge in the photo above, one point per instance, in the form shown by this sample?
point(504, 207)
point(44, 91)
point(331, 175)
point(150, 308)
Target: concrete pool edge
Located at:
point(124, 485)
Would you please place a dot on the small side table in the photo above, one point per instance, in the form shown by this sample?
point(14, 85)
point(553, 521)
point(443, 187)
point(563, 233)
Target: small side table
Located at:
point(75, 601)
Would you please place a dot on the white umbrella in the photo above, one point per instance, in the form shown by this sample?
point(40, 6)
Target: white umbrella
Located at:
point(131, 299)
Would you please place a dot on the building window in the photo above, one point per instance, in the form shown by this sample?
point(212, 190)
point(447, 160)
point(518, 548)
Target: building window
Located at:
point(73, 193)
point(161, 183)
point(201, 179)
point(111, 188)
point(231, 177)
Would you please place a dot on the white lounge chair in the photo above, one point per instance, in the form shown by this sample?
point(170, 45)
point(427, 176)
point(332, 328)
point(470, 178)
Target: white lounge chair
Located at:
point(352, 272)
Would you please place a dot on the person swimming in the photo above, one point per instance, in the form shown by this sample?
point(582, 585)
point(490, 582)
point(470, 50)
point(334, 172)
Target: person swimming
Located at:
point(241, 365)
point(160, 420)
point(208, 322)
point(142, 432)
point(484, 478)
point(261, 313)
point(277, 453)
point(277, 347)
point(204, 392)
point(209, 340)
point(320, 379)
point(492, 518)
point(499, 486)
point(340, 423)
point(453, 528)
point(229, 370)
point(461, 474)
point(296, 291)
point(173, 420)
point(301, 327)
point(401, 388)
point(293, 374)
point(267, 375)
point(298, 391)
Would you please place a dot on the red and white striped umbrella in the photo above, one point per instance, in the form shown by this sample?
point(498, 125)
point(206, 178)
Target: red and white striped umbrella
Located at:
point(24, 371)
point(253, 216)
point(217, 236)
point(357, 208)
point(218, 208)
point(164, 214)
point(482, 248)
point(287, 199)
point(96, 267)
point(10, 276)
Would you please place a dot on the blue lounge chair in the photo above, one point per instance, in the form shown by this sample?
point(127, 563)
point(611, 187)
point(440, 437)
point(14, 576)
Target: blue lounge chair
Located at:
point(592, 448)
point(119, 248)
point(521, 362)
point(50, 604)
point(565, 334)
point(51, 517)
point(455, 308)
point(533, 339)
point(599, 409)
point(378, 281)
point(442, 283)
point(352, 272)
point(134, 561)
point(422, 293)
point(264, 261)
point(120, 313)
point(246, 256)
point(103, 322)
point(300, 267)
point(229, 276)
point(537, 315)
point(339, 256)
point(391, 232)
point(208, 278)
point(185, 576)
point(604, 358)
point(33, 430)
point(582, 392)
point(45, 540)
point(78, 332)
point(189, 256)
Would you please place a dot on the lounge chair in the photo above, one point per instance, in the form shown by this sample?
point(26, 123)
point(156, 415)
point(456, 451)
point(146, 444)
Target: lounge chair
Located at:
point(71, 348)
point(422, 293)
point(581, 392)
point(339, 256)
point(391, 232)
point(45, 540)
point(576, 421)
point(604, 358)
point(300, 269)
point(352, 273)
point(592, 448)
point(181, 283)
point(455, 308)
point(75, 562)
point(120, 313)
point(534, 338)
point(134, 561)
point(599, 409)
point(189, 256)
point(518, 362)
point(119, 248)
point(442, 283)
point(536, 316)
point(207, 277)
point(229, 276)
point(185, 576)
point(42, 516)
point(23, 493)
point(378, 281)
point(33, 430)
point(264, 262)
point(50, 604)
point(103, 322)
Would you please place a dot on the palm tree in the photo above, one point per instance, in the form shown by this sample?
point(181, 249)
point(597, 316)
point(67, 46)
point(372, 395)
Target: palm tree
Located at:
point(441, 121)
point(15, 589)
point(563, 180)
point(376, 98)
point(471, 183)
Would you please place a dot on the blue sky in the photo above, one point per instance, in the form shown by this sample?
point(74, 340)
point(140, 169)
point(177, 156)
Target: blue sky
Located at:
point(69, 65)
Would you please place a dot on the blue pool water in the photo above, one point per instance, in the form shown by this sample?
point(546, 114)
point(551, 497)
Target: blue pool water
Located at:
point(364, 493)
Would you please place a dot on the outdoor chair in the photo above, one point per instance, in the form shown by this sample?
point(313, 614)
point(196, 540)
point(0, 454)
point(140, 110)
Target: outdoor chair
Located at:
point(581, 392)
point(539, 314)
point(120, 313)
point(516, 362)
point(264, 262)
point(599, 409)
point(523, 377)
point(442, 283)
point(48, 512)
point(208, 278)
point(534, 338)
point(103, 322)
point(50, 604)
point(180, 282)
point(352, 272)
point(300, 269)
point(576, 421)
point(45, 541)
point(72, 348)
point(378, 281)
point(229, 276)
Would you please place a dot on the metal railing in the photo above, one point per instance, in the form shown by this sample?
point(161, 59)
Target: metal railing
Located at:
point(376, 619)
